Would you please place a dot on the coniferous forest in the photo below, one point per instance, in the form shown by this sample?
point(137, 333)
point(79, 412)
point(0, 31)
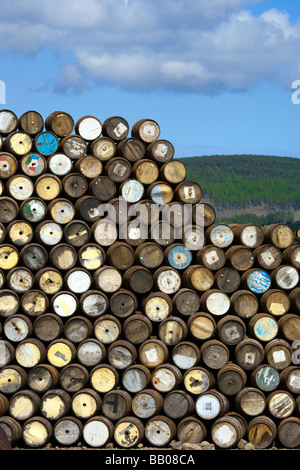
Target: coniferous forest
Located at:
point(249, 188)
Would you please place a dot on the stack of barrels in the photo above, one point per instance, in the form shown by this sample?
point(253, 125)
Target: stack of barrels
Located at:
point(125, 319)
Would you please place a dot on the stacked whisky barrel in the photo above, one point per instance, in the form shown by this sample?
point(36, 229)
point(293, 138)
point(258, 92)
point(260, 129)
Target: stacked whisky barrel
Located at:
point(124, 317)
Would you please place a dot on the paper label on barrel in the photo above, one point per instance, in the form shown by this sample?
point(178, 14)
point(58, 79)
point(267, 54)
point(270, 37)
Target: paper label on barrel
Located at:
point(268, 258)
point(119, 169)
point(134, 233)
point(189, 192)
point(151, 355)
point(250, 358)
point(224, 434)
point(294, 380)
point(211, 257)
point(149, 129)
point(120, 129)
point(164, 380)
point(161, 150)
point(279, 356)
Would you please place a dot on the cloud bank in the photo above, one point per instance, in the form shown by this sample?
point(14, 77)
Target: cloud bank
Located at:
point(202, 46)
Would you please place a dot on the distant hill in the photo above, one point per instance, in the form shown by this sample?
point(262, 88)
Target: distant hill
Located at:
point(249, 188)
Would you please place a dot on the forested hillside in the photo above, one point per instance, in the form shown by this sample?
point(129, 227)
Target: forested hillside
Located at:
point(249, 188)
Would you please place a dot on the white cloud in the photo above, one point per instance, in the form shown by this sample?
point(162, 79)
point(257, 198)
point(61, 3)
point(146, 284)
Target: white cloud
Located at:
point(189, 45)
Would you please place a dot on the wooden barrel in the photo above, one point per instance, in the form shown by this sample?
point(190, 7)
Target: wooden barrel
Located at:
point(191, 430)
point(160, 430)
point(91, 352)
point(137, 328)
point(30, 352)
point(78, 280)
point(185, 355)
point(104, 232)
point(240, 257)
point(157, 306)
point(147, 130)
point(231, 378)
point(167, 280)
point(34, 256)
point(12, 430)
point(120, 255)
point(136, 378)
point(244, 303)
point(123, 303)
point(7, 352)
point(215, 302)
point(177, 214)
point(220, 235)
point(8, 122)
point(63, 256)
point(88, 166)
point(59, 164)
point(265, 377)
point(173, 172)
point(275, 302)
point(198, 277)
point(19, 233)
point(231, 330)
point(278, 353)
point(118, 169)
point(280, 235)
point(68, 430)
point(31, 122)
point(61, 210)
point(197, 380)
point(249, 353)
point(33, 209)
point(129, 432)
point(257, 281)
point(20, 280)
point(49, 280)
point(160, 192)
point(227, 279)
point(291, 256)
point(212, 257)
point(74, 185)
point(115, 127)
point(107, 329)
point(202, 326)
point(12, 379)
point(226, 432)
point(288, 432)
point(88, 127)
point(8, 165)
point(9, 257)
point(121, 354)
point(211, 404)
point(37, 432)
point(103, 188)
point(145, 171)
point(17, 327)
point(188, 192)
point(249, 235)
point(281, 404)
point(166, 377)
point(147, 403)
point(214, 354)
point(186, 302)
point(203, 214)
point(93, 303)
point(178, 256)
point(48, 187)
point(108, 279)
point(289, 326)
point(77, 329)
point(161, 151)
point(104, 378)
point(294, 297)
point(74, 146)
point(9, 209)
point(4, 404)
point(268, 256)
point(103, 148)
point(48, 233)
point(42, 377)
point(91, 256)
point(116, 404)
point(131, 148)
point(20, 187)
point(251, 401)
point(263, 327)
point(98, 431)
point(290, 379)
point(178, 404)
point(87, 208)
point(59, 122)
point(55, 404)
point(33, 164)
point(64, 304)
point(9, 302)
point(153, 353)
point(61, 352)
point(18, 143)
point(262, 432)
point(285, 277)
point(86, 403)
point(172, 330)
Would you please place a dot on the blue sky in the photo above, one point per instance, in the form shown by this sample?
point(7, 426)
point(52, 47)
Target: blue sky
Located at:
point(215, 74)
